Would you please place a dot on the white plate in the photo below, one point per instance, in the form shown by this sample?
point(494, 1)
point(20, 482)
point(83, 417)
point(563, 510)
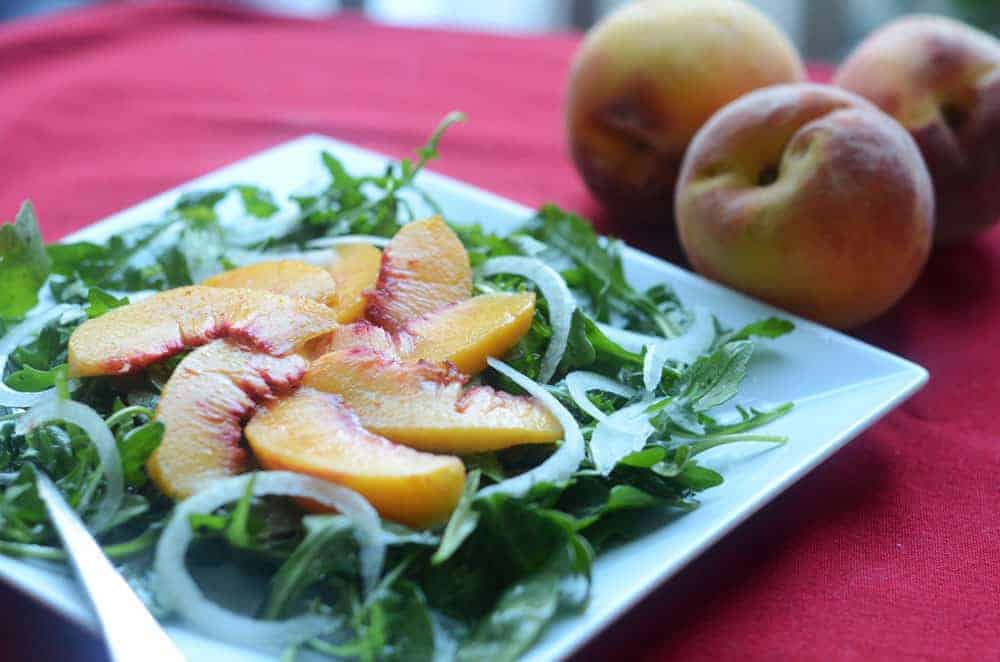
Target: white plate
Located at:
point(840, 387)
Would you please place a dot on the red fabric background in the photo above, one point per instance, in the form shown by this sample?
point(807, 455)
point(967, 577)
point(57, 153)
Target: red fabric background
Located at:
point(890, 550)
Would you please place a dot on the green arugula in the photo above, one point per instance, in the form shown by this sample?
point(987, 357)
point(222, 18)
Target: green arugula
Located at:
point(487, 584)
point(24, 265)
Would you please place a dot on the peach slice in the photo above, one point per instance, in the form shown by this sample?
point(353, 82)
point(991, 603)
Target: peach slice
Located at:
point(314, 433)
point(426, 406)
point(202, 405)
point(467, 333)
point(289, 277)
point(362, 334)
point(130, 338)
point(355, 269)
point(424, 268)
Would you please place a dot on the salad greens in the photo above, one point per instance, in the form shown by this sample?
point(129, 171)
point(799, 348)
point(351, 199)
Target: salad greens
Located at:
point(487, 584)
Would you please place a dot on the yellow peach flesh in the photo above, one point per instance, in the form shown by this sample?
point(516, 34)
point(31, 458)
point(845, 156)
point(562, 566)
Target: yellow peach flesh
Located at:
point(314, 433)
point(132, 337)
point(289, 277)
point(467, 333)
point(355, 270)
point(424, 268)
point(201, 408)
point(427, 406)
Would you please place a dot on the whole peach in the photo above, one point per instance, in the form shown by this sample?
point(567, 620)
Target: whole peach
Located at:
point(647, 77)
point(941, 80)
point(809, 197)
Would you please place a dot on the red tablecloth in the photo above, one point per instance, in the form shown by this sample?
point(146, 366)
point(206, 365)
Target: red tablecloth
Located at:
point(889, 550)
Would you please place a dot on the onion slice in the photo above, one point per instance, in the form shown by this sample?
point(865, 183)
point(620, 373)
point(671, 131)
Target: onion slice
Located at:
point(560, 465)
point(581, 382)
point(31, 326)
point(327, 242)
point(177, 589)
point(620, 434)
point(557, 295)
point(685, 348)
point(54, 408)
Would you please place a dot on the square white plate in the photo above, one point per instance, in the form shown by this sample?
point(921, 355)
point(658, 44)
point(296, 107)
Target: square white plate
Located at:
point(840, 387)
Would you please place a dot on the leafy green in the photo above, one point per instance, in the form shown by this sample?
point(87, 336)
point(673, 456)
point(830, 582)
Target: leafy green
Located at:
point(771, 327)
point(100, 302)
point(486, 584)
point(135, 447)
point(462, 523)
point(598, 271)
point(24, 265)
point(715, 378)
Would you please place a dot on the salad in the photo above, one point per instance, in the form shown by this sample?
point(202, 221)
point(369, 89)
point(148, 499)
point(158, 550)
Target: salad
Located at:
point(409, 436)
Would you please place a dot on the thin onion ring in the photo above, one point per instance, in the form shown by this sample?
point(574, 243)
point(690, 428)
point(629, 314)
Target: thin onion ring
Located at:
point(177, 589)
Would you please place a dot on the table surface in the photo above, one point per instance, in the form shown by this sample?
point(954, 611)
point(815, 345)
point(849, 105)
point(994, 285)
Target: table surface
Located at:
point(891, 549)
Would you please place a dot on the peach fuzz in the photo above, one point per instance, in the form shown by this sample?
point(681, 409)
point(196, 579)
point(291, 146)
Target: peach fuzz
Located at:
point(647, 77)
point(941, 80)
point(810, 198)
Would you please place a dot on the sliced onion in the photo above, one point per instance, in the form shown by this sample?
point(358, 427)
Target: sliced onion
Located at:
point(31, 326)
point(581, 382)
point(327, 242)
point(528, 245)
point(560, 465)
point(54, 408)
point(557, 295)
point(685, 348)
point(620, 434)
point(177, 589)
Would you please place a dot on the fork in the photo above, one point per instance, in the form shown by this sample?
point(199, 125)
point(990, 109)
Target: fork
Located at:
point(130, 631)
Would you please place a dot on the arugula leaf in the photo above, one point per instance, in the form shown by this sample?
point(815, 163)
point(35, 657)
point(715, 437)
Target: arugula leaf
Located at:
point(771, 327)
point(257, 202)
point(328, 538)
point(462, 523)
point(100, 302)
point(135, 447)
point(715, 378)
point(31, 379)
point(24, 264)
point(601, 273)
point(523, 611)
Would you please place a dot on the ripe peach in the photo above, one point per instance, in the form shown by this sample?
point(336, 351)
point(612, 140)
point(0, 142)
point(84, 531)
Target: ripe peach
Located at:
point(809, 197)
point(941, 80)
point(202, 407)
point(647, 77)
point(355, 269)
point(467, 333)
point(132, 337)
point(426, 406)
point(313, 433)
point(425, 267)
point(361, 334)
point(289, 277)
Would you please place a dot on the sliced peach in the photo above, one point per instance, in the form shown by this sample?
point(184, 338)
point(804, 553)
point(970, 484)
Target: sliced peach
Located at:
point(313, 433)
point(424, 268)
point(355, 269)
point(362, 334)
point(427, 406)
point(467, 333)
point(290, 277)
point(130, 338)
point(202, 405)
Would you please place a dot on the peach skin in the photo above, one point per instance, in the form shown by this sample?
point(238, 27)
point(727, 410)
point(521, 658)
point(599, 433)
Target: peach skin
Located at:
point(941, 80)
point(647, 77)
point(808, 197)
